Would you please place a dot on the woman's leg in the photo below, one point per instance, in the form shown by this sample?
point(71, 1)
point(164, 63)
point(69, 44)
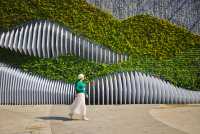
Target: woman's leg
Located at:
point(75, 106)
point(84, 108)
point(84, 113)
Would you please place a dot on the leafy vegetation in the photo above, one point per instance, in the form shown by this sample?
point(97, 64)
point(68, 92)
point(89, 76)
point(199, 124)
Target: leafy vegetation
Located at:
point(155, 46)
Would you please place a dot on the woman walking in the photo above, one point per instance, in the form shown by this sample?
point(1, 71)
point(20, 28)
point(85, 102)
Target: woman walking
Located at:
point(78, 106)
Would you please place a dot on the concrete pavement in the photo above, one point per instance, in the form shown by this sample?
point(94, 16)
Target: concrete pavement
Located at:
point(107, 119)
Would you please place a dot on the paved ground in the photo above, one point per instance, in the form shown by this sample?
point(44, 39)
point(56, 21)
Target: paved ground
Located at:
point(118, 119)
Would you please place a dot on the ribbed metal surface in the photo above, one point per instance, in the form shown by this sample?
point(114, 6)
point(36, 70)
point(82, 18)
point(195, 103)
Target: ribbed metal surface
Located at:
point(19, 88)
point(180, 12)
point(138, 88)
point(46, 39)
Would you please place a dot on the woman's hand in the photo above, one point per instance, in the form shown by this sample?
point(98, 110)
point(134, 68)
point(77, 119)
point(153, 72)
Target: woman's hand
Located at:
point(86, 95)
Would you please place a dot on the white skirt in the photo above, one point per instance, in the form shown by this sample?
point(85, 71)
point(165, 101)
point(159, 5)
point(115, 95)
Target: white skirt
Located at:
point(78, 106)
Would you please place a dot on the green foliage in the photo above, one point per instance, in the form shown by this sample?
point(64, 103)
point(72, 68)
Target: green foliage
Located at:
point(155, 46)
point(155, 37)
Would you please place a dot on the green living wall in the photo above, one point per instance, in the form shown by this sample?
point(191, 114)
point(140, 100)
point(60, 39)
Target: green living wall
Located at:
point(154, 46)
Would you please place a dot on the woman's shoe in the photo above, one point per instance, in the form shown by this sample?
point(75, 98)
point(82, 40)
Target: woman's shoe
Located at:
point(85, 118)
point(70, 115)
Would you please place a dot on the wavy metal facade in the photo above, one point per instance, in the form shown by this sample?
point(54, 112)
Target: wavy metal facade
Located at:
point(47, 39)
point(180, 12)
point(138, 88)
point(19, 88)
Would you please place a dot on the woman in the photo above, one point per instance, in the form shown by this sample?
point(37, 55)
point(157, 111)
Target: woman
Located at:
point(78, 106)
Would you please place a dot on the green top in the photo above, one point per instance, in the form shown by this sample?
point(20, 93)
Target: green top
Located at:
point(80, 86)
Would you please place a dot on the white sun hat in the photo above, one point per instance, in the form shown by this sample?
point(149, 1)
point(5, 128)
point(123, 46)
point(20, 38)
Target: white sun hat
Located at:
point(80, 76)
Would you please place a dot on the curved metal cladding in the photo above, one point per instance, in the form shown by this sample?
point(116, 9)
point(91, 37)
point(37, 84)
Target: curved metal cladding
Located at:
point(47, 39)
point(137, 88)
point(19, 88)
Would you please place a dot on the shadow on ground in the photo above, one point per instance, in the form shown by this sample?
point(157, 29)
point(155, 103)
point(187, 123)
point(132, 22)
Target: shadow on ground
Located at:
point(57, 118)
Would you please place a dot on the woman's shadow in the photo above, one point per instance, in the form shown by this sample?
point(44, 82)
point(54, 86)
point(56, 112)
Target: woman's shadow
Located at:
point(57, 118)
